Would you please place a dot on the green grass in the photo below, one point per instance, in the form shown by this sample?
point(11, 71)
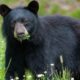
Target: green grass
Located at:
point(8, 2)
point(75, 14)
point(2, 49)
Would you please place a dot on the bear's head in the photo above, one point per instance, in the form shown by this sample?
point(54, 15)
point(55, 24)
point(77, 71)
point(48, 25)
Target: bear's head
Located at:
point(19, 23)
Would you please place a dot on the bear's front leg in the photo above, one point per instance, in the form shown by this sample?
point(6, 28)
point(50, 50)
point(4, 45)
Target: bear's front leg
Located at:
point(9, 65)
point(15, 65)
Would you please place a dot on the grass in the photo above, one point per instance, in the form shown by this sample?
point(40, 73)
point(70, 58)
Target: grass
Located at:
point(2, 49)
point(8, 2)
point(76, 14)
point(29, 76)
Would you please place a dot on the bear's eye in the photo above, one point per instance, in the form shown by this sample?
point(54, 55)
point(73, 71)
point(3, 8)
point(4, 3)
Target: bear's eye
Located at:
point(26, 23)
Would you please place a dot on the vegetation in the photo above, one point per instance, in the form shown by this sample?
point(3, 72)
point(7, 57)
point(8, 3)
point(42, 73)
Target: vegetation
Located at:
point(47, 7)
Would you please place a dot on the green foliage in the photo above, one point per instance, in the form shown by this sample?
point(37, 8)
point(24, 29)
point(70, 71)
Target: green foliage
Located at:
point(75, 13)
point(2, 49)
point(28, 75)
point(43, 7)
point(65, 76)
point(7, 1)
point(54, 9)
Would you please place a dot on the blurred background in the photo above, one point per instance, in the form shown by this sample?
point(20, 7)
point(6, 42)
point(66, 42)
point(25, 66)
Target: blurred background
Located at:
point(47, 7)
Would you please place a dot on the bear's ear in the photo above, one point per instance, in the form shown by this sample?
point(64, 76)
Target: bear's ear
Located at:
point(33, 7)
point(4, 10)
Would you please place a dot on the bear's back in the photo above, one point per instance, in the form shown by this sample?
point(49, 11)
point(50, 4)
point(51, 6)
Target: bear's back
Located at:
point(60, 20)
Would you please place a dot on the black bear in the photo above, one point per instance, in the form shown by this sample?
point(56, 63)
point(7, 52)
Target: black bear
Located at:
point(34, 42)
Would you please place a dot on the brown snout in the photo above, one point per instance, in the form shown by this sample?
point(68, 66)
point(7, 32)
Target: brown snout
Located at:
point(20, 30)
